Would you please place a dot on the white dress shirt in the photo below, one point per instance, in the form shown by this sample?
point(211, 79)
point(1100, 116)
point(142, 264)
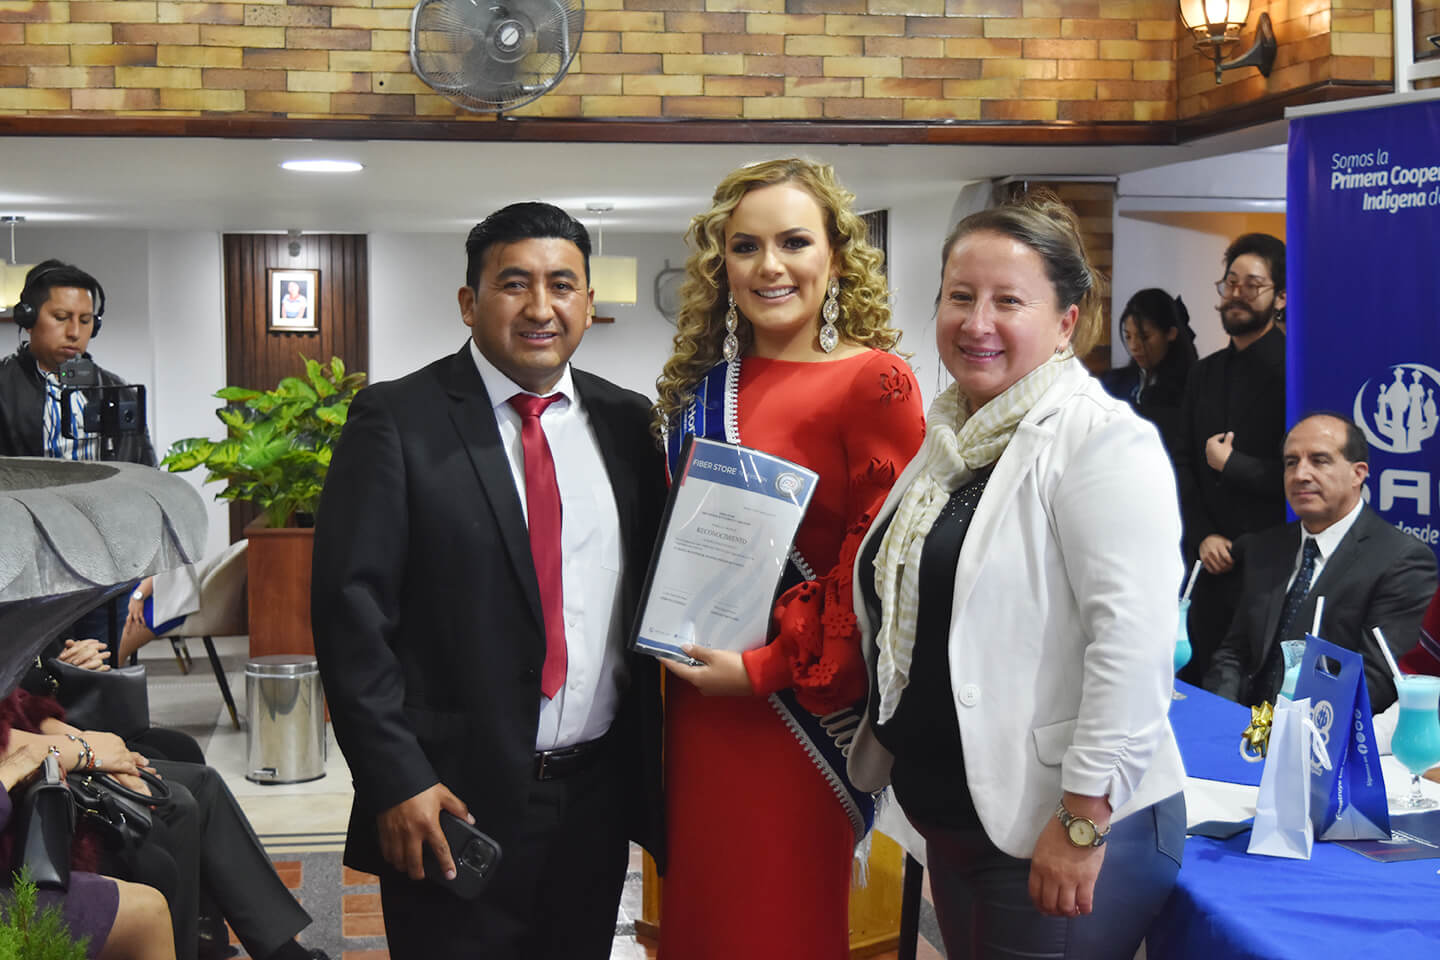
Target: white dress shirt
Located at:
point(1327, 540)
point(591, 555)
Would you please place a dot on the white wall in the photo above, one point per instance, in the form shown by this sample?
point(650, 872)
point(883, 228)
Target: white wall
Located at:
point(163, 326)
point(188, 352)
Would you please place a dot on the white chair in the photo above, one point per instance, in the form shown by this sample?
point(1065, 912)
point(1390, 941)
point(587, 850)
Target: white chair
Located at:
point(221, 613)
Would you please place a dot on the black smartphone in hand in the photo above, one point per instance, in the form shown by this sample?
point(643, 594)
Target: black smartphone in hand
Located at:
point(475, 854)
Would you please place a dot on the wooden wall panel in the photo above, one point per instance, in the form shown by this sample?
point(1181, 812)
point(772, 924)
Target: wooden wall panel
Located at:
point(258, 358)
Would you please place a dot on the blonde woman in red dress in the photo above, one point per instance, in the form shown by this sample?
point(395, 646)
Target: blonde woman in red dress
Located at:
point(783, 344)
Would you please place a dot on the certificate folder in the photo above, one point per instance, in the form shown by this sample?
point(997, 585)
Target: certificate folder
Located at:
point(729, 522)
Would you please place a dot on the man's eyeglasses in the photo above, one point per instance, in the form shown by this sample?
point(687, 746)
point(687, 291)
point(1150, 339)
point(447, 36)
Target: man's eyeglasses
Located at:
point(1250, 289)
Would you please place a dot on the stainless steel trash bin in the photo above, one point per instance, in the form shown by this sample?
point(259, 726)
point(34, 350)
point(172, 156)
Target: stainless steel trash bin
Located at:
point(286, 708)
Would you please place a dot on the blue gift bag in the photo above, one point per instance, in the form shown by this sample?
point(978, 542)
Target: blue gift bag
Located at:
point(1347, 801)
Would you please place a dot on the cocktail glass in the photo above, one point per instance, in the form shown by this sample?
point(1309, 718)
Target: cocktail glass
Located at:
point(1182, 637)
point(1416, 743)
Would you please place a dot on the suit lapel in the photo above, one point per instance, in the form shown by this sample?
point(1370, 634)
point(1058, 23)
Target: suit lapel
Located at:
point(1346, 554)
point(474, 418)
point(1279, 567)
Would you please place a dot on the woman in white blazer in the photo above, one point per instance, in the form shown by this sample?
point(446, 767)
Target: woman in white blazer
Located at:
point(1017, 603)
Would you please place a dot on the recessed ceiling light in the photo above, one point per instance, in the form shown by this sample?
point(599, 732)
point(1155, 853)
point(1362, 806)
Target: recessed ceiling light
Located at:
point(323, 166)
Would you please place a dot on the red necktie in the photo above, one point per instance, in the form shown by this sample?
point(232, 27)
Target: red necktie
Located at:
point(542, 504)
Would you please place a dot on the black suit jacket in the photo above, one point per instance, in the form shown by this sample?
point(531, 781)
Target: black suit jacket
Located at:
point(426, 609)
point(1377, 576)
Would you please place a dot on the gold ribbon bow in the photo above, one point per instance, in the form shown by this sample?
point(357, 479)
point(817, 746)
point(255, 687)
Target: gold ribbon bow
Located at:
point(1255, 741)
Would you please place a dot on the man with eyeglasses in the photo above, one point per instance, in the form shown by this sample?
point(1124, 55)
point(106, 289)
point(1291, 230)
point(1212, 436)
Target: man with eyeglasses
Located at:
point(1232, 426)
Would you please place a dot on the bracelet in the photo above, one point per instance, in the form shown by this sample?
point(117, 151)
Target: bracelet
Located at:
point(87, 755)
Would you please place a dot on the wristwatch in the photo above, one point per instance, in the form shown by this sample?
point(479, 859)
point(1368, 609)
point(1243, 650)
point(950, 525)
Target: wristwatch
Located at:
point(1081, 831)
point(138, 594)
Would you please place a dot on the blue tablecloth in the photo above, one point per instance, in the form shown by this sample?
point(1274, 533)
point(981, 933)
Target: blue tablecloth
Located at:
point(1208, 729)
point(1229, 905)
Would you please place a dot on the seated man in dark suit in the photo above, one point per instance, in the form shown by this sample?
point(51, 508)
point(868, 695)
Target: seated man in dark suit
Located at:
point(1369, 573)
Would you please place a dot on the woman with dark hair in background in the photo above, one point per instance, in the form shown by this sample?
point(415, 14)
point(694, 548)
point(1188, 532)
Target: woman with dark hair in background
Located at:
point(1156, 330)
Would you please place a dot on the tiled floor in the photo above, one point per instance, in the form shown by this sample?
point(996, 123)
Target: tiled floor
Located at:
point(296, 822)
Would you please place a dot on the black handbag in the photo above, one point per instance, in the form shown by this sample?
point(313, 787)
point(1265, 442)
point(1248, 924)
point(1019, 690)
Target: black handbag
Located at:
point(115, 700)
point(44, 829)
point(122, 815)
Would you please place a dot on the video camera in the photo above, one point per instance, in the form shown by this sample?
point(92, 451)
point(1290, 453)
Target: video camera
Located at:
point(110, 410)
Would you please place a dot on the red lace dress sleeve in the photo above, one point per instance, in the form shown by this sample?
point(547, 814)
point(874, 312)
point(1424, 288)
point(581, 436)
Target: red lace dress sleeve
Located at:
point(816, 646)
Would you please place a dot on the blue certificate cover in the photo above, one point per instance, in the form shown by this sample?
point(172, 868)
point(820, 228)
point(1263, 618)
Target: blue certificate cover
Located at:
point(729, 523)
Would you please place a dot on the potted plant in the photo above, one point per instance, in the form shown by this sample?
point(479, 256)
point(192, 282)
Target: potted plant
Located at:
point(275, 454)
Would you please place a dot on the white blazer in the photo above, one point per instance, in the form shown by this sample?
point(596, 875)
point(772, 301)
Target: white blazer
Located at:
point(1062, 630)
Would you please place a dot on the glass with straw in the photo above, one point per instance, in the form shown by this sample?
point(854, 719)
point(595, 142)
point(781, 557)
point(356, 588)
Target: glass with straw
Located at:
point(1416, 742)
point(1183, 651)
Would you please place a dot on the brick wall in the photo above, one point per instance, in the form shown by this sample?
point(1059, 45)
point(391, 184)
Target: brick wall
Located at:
point(1319, 40)
point(918, 60)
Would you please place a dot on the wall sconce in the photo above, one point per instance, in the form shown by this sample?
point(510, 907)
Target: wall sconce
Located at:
point(1216, 25)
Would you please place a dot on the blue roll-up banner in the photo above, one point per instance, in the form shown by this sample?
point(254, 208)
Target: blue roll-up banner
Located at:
point(1363, 297)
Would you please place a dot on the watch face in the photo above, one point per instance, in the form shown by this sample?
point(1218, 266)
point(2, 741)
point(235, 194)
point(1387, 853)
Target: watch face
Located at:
point(1082, 832)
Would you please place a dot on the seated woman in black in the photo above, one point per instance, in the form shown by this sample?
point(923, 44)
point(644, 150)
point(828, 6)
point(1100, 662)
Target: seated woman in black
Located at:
point(1157, 334)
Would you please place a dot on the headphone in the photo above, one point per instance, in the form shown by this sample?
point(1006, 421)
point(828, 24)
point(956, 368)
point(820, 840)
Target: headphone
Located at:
point(27, 313)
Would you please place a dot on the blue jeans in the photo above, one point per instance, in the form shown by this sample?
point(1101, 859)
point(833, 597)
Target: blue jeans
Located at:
point(982, 898)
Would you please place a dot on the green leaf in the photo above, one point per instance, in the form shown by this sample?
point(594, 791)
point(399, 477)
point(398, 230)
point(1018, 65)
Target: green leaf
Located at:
point(188, 454)
point(263, 403)
point(262, 446)
point(336, 414)
point(293, 388)
point(236, 394)
point(234, 418)
point(337, 369)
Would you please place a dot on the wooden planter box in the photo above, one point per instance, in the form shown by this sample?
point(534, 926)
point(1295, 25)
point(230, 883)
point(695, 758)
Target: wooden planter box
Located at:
point(279, 590)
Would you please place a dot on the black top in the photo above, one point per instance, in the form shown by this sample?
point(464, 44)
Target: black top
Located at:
point(1158, 400)
point(924, 732)
point(1241, 391)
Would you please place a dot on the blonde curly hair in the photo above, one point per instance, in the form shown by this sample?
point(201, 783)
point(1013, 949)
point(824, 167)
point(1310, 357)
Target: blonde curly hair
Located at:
point(700, 325)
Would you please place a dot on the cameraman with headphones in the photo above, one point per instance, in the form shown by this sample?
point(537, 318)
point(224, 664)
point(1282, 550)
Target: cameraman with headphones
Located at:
point(61, 306)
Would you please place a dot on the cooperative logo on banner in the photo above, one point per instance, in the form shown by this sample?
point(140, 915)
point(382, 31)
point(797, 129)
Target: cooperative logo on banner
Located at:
point(1399, 412)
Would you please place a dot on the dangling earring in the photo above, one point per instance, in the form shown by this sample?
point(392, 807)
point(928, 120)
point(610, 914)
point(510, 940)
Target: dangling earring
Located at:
point(731, 347)
point(830, 312)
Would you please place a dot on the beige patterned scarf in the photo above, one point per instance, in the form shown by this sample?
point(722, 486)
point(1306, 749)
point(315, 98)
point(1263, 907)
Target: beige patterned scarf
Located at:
point(957, 445)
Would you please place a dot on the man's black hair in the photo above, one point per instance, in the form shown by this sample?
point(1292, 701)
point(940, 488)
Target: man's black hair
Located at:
point(1355, 449)
point(48, 274)
point(1264, 246)
point(522, 221)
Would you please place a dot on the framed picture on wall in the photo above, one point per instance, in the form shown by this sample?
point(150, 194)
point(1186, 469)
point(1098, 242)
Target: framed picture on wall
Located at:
point(294, 300)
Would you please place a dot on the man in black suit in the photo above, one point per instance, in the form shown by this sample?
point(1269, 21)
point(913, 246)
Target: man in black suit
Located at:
point(1232, 422)
point(470, 618)
point(1369, 573)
